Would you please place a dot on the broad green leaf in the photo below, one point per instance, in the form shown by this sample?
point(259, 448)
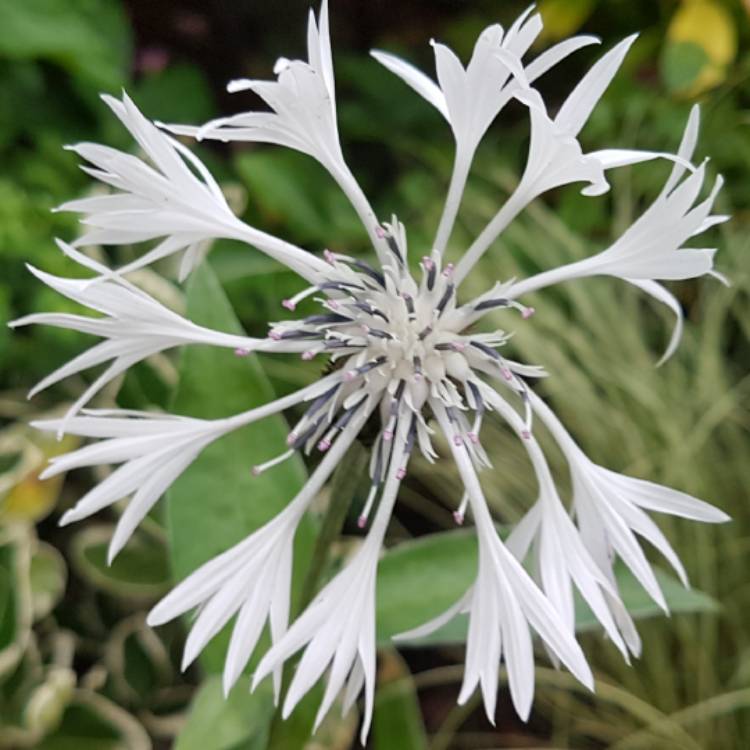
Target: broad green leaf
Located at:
point(140, 570)
point(217, 502)
point(419, 579)
point(397, 721)
point(240, 720)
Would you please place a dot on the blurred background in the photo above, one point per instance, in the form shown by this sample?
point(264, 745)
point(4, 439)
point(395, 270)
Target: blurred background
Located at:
point(78, 666)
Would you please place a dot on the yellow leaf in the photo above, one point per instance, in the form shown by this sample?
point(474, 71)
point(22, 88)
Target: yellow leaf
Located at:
point(28, 499)
point(710, 26)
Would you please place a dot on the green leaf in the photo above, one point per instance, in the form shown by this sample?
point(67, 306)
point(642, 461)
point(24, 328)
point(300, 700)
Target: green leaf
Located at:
point(397, 720)
point(419, 579)
point(217, 502)
point(240, 720)
point(179, 93)
point(681, 64)
point(87, 37)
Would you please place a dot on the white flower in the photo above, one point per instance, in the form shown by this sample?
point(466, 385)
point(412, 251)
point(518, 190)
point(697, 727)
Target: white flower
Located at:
point(303, 100)
point(136, 327)
point(562, 560)
point(338, 628)
point(174, 197)
point(651, 248)
point(503, 604)
point(471, 98)
point(252, 580)
point(152, 450)
point(405, 350)
point(556, 157)
point(609, 508)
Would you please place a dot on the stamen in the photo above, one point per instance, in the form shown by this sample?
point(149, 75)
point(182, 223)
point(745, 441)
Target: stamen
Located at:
point(447, 294)
point(365, 368)
point(363, 516)
point(460, 514)
point(489, 304)
point(409, 302)
point(260, 468)
point(448, 270)
point(240, 352)
point(488, 350)
point(291, 303)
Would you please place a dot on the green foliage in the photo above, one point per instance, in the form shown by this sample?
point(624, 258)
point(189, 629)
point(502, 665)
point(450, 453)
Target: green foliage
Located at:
point(240, 721)
point(419, 579)
point(217, 501)
point(84, 670)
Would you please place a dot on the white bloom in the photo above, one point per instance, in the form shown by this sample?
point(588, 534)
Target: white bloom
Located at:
point(174, 197)
point(404, 350)
point(338, 628)
point(651, 248)
point(303, 100)
point(252, 580)
point(609, 508)
point(471, 98)
point(152, 450)
point(556, 157)
point(136, 327)
point(503, 604)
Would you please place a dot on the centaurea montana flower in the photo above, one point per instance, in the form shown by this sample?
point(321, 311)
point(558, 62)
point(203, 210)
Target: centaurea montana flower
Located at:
point(406, 357)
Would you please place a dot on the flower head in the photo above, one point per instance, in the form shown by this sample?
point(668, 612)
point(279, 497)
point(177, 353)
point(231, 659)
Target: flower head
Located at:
point(406, 356)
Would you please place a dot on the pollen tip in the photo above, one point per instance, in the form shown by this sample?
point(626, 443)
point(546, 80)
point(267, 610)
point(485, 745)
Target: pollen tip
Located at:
point(328, 255)
point(361, 522)
point(458, 440)
point(458, 346)
point(473, 437)
point(387, 435)
point(527, 312)
point(458, 517)
point(507, 374)
point(291, 438)
point(256, 471)
point(401, 473)
point(275, 335)
point(428, 262)
point(324, 445)
point(349, 375)
point(448, 270)
point(526, 435)
point(379, 232)
point(240, 352)
point(308, 355)
point(289, 304)
point(333, 304)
